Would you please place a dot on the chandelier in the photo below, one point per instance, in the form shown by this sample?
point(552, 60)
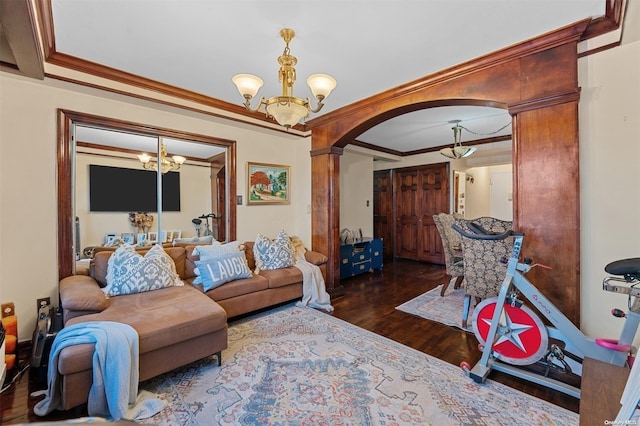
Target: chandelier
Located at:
point(457, 150)
point(166, 164)
point(286, 109)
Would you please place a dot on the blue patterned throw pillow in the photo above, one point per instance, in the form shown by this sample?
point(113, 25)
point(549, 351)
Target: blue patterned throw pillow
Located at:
point(129, 272)
point(273, 254)
point(219, 270)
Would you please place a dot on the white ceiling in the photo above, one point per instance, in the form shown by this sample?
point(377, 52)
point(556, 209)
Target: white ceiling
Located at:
point(368, 46)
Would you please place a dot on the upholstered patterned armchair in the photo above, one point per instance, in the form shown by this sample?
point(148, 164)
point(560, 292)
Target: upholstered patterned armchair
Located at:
point(483, 271)
point(452, 248)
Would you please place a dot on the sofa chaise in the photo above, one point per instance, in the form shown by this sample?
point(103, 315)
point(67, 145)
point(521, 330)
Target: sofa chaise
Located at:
point(176, 325)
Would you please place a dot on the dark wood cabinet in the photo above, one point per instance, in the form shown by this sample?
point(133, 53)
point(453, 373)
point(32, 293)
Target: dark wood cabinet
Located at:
point(420, 193)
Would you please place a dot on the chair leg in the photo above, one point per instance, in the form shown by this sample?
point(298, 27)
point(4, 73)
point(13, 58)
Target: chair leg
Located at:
point(445, 285)
point(458, 282)
point(465, 310)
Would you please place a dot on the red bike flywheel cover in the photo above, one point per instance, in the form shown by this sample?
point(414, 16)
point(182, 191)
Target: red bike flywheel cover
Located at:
point(521, 337)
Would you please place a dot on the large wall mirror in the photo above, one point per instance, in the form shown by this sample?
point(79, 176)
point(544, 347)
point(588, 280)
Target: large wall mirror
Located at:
point(102, 180)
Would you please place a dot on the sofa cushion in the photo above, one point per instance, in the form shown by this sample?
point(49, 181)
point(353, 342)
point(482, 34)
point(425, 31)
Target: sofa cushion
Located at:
point(130, 272)
point(315, 257)
point(239, 287)
point(80, 293)
point(221, 269)
point(282, 277)
point(273, 254)
point(163, 317)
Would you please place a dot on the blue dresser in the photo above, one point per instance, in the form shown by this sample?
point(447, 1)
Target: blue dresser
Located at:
point(360, 256)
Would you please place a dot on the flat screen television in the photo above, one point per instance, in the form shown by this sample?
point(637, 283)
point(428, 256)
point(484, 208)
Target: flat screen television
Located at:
point(117, 189)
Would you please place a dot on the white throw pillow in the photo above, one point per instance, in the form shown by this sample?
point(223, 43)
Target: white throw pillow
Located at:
point(129, 272)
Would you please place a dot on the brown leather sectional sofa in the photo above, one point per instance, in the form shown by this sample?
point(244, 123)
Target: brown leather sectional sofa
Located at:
point(176, 325)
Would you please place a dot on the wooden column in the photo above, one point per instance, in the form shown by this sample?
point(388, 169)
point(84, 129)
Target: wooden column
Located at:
point(325, 214)
point(547, 205)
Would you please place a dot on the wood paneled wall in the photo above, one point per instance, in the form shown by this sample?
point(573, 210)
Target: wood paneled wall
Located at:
point(537, 82)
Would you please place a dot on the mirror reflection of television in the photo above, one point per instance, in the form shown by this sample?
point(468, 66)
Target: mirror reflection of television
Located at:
point(117, 189)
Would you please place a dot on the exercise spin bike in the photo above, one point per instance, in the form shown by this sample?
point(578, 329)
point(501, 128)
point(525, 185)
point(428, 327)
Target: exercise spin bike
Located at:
point(511, 334)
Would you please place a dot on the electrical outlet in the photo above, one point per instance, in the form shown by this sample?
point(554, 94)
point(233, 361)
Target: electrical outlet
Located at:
point(43, 301)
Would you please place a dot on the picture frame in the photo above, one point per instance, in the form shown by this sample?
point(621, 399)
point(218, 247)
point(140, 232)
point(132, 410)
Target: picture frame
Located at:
point(141, 238)
point(153, 237)
point(177, 233)
point(108, 238)
point(127, 237)
point(268, 183)
point(163, 237)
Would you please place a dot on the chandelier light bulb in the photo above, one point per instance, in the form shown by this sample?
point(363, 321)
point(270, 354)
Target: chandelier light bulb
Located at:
point(321, 85)
point(247, 84)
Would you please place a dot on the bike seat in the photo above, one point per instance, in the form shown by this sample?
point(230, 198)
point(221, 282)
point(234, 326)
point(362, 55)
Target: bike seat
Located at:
point(625, 267)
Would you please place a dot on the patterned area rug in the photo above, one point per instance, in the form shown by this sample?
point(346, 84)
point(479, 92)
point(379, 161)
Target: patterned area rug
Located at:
point(445, 309)
point(299, 366)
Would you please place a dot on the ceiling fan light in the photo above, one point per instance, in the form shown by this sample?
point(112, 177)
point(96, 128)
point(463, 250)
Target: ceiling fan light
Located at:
point(321, 85)
point(247, 84)
point(179, 159)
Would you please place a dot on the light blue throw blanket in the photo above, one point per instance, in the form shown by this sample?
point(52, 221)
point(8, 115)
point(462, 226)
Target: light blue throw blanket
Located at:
point(115, 368)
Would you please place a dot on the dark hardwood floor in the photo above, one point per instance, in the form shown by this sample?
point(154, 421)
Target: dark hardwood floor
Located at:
point(369, 302)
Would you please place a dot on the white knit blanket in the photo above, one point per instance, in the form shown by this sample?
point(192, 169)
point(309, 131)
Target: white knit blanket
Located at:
point(314, 292)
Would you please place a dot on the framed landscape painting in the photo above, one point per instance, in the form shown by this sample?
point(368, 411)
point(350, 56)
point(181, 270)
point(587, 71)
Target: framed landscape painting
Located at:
point(268, 183)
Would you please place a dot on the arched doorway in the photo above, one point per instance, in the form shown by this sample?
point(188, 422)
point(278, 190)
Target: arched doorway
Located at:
point(537, 82)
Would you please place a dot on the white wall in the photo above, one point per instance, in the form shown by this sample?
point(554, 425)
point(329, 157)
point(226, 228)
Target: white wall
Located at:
point(609, 178)
point(28, 208)
point(356, 192)
point(478, 193)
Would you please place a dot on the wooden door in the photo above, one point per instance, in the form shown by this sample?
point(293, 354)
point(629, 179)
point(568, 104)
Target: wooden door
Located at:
point(434, 199)
point(421, 192)
point(383, 210)
point(407, 215)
